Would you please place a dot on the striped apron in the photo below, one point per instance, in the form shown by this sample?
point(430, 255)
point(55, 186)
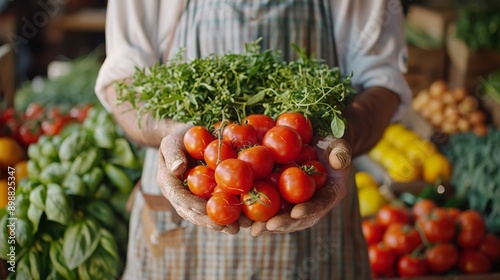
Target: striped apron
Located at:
point(163, 247)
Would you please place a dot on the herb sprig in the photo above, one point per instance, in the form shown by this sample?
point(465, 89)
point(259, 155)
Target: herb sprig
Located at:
point(231, 86)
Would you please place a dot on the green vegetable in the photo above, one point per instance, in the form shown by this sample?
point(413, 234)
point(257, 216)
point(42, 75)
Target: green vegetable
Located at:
point(489, 85)
point(74, 185)
point(479, 26)
point(80, 241)
point(123, 155)
point(93, 178)
point(57, 205)
point(118, 178)
point(102, 212)
point(53, 173)
point(104, 136)
point(37, 196)
point(74, 88)
point(58, 261)
point(72, 145)
point(86, 160)
point(476, 173)
point(231, 86)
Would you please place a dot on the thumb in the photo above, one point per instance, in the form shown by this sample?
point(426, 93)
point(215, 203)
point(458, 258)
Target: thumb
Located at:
point(173, 152)
point(337, 150)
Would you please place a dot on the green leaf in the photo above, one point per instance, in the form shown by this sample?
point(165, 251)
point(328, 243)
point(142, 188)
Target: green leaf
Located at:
point(34, 215)
point(23, 269)
point(24, 232)
point(58, 261)
point(37, 196)
point(80, 241)
point(34, 263)
point(337, 126)
point(56, 205)
point(6, 242)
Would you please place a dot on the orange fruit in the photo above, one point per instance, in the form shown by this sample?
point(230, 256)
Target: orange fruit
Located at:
point(3, 193)
point(10, 152)
point(435, 167)
point(21, 170)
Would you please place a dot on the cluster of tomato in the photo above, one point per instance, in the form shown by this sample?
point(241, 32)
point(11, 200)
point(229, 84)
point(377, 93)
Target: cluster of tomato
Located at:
point(260, 166)
point(37, 120)
point(429, 240)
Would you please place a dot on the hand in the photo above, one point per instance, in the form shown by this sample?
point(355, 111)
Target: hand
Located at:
point(335, 154)
point(173, 162)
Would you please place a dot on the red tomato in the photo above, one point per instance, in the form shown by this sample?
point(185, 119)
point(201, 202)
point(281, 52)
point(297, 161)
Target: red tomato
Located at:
point(410, 266)
point(382, 259)
point(296, 186)
point(223, 208)
point(447, 211)
point(441, 257)
point(372, 231)
point(401, 238)
point(298, 122)
point(53, 126)
point(490, 246)
point(262, 202)
point(285, 207)
point(218, 151)
point(201, 181)
point(34, 111)
point(392, 214)
point(260, 160)
point(234, 176)
point(469, 238)
point(422, 208)
point(437, 228)
point(29, 132)
point(473, 262)
point(240, 135)
point(274, 177)
point(7, 115)
point(307, 153)
point(261, 122)
point(80, 113)
point(284, 143)
point(471, 219)
point(317, 170)
point(472, 228)
point(196, 140)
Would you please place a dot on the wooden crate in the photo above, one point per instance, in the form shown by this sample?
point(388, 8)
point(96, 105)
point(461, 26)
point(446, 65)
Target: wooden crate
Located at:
point(466, 66)
point(424, 67)
point(432, 21)
point(7, 77)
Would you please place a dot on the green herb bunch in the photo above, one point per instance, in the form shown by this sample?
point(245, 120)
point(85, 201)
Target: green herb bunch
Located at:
point(206, 90)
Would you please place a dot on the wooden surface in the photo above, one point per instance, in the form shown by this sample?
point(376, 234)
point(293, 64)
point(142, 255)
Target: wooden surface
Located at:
point(7, 76)
point(88, 20)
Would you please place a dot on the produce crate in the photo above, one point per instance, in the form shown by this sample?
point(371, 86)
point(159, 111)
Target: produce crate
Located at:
point(425, 63)
point(432, 21)
point(467, 65)
point(493, 108)
point(7, 79)
point(424, 67)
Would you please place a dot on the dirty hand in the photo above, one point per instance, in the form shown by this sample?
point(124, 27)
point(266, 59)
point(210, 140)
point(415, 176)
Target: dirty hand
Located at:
point(335, 154)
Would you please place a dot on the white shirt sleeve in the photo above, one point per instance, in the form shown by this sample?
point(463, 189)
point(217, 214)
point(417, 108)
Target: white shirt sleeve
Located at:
point(137, 34)
point(371, 45)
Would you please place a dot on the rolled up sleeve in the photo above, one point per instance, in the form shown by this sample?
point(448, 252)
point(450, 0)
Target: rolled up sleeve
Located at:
point(137, 34)
point(371, 45)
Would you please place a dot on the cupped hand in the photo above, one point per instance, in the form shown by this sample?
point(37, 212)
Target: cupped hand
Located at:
point(335, 154)
point(172, 162)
